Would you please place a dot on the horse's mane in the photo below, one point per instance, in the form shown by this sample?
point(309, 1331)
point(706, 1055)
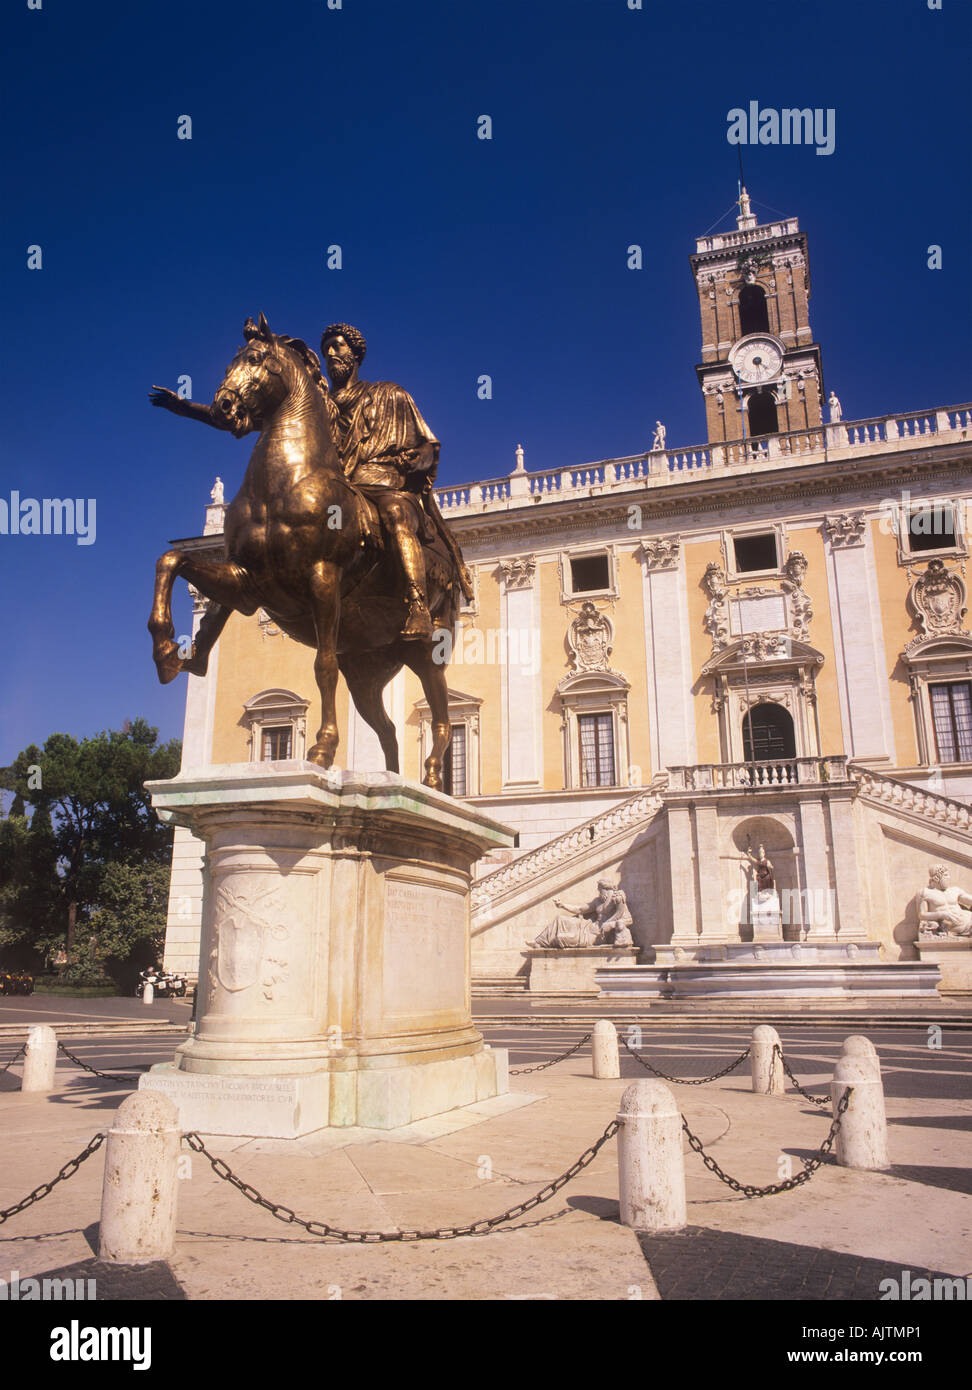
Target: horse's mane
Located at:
point(309, 357)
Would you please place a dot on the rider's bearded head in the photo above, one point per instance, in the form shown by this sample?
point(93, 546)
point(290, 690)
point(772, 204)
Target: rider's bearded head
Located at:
point(340, 370)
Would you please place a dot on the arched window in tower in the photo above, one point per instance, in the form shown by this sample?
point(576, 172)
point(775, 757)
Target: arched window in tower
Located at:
point(768, 734)
point(762, 413)
point(753, 310)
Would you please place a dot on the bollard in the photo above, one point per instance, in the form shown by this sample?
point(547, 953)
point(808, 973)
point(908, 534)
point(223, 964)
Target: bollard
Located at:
point(651, 1166)
point(604, 1051)
point(861, 1048)
point(767, 1065)
point(863, 1138)
point(148, 993)
point(41, 1059)
point(138, 1197)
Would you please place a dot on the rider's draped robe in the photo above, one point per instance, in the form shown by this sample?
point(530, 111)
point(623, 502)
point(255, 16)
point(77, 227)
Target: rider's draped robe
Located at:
point(379, 433)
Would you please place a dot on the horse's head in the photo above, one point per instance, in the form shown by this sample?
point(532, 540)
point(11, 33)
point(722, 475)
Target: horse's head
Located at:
point(261, 376)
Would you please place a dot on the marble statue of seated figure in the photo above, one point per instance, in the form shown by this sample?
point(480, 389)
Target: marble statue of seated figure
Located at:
point(604, 921)
point(943, 911)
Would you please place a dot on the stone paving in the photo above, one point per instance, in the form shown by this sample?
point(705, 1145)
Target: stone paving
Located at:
point(834, 1238)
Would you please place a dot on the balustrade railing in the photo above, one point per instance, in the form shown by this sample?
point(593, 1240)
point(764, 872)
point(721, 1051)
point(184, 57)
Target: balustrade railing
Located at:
point(768, 772)
point(661, 466)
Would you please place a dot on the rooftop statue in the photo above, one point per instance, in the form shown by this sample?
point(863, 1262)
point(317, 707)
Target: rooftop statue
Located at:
point(335, 532)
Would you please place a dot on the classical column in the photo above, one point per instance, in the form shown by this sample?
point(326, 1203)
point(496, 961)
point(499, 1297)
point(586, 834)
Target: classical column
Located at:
point(685, 927)
point(712, 899)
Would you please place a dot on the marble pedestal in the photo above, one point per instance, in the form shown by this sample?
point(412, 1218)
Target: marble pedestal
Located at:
point(953, 956)
point(571, 970)
point(334, 970)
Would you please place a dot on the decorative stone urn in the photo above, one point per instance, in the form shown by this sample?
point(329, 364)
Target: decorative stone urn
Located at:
point(334, 970)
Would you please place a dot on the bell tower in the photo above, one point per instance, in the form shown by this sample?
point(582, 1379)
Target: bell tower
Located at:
point(760, 372)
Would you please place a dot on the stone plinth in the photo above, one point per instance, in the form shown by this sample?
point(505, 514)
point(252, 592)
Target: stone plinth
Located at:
point(571, 970)
point(953, 956)
point(334, 970)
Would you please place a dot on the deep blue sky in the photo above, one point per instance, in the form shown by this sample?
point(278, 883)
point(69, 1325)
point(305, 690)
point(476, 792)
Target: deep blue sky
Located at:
point(461, 257)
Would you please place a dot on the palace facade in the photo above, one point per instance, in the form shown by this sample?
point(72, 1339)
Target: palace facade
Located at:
point(673, 658)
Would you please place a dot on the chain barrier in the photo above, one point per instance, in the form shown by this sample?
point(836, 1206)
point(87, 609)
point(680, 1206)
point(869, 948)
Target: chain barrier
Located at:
point(788, 1184)
point(474, 1228)
point(542, 1066)
point(817, 1100)
point(68, 1171)
point(105, 1075)
point(14, 1058)
point(684, 1080)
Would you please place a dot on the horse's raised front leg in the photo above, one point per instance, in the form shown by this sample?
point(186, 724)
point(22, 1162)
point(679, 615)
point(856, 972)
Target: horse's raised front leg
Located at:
point(226, 583)
point(432, 674)
point(325, 594)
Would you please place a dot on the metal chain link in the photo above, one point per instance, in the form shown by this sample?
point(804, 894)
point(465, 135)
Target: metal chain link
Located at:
point(817, 1100)
point(789, 1183)
point(105, 1075)
point(474, 1228)
point(66, 1172)
point(684, 1080)
point(21, 1053)
point(542, 1066)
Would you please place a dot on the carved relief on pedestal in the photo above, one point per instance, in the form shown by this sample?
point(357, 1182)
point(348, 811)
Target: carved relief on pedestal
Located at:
point(937, 599)
point(589, 637)
point(518, 572)
point(845, 528)
point(242, 955)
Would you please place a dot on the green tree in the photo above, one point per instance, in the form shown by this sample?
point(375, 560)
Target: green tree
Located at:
point(91, 817)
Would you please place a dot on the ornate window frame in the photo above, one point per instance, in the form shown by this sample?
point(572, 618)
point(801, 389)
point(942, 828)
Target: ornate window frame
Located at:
point(753, 528)
point(463, 709)
point(567, 593)
point(765, 668)
point(903, 511)
point(271, 708)
point(933, 661)
point(593, 692)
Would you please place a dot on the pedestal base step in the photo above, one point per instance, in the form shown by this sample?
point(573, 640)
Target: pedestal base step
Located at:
point(287, 1107)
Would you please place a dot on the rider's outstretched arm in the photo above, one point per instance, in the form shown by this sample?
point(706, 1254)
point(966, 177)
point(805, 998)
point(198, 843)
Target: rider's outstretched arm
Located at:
point(192, 410)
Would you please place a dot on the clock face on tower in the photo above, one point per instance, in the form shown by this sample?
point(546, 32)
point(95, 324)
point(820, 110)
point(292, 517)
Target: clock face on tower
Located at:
point(757, 358)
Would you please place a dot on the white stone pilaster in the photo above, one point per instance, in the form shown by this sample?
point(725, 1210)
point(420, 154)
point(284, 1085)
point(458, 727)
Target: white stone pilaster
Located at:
point(671, 716)
point(862, 671)
point(522, 690)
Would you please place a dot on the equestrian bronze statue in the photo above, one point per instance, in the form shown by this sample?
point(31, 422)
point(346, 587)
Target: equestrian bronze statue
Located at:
point(335, 532)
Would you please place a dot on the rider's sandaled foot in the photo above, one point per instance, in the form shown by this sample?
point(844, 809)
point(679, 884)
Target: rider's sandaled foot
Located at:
point(419, 623)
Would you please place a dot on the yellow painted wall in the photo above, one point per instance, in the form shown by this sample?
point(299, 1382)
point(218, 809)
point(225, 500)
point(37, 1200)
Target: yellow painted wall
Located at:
point(250, 662)
point(893, 586)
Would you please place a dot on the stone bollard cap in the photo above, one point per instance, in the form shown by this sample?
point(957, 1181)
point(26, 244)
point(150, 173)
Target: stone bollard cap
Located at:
point(856, 1071)
point(40, 1033)
point(148, 1111)
point(643, 1099)
point(764, 1033)
point(858, 1046)
point(604, 1025)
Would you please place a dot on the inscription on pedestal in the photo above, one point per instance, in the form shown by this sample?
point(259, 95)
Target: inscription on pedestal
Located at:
point(425, 948)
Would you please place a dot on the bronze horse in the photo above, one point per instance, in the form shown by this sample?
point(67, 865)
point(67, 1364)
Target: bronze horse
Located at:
point(305, 545)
